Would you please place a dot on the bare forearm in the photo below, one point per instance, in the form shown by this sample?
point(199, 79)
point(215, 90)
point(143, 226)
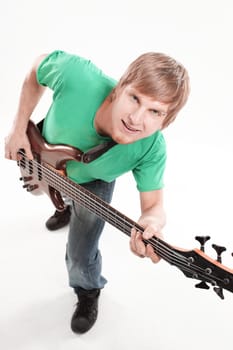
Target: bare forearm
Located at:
point(29, 97)
point(154, 217)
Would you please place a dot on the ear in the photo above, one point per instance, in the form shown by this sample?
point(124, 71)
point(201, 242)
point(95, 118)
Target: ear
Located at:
point(116, 92)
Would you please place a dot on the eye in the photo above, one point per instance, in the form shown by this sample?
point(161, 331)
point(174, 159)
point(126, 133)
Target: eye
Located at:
point(135, 98)
point(155, 112)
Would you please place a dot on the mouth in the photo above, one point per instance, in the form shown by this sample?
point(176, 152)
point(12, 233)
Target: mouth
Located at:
point(129, 128)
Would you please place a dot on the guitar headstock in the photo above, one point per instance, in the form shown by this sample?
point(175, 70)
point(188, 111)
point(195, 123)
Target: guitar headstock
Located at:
point(198, 265)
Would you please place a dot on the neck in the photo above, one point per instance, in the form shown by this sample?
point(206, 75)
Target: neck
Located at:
point(102, 120)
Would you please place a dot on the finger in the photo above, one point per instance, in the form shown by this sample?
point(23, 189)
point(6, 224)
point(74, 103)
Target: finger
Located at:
point(14, 155)
point(140, 246)
point(28, 152)
point(149, 232)
point(9, 155)
point(132, 240)
point(133, 243)
point(151, 254)
point(25, 152)
point(19, 157)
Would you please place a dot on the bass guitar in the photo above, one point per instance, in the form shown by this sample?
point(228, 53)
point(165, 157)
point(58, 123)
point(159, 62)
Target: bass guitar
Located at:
point(46, 174)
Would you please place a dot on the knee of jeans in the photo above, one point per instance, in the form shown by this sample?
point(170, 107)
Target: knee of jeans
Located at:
point(83, 262)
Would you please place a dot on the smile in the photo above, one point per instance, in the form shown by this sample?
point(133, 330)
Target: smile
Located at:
point(129, 128)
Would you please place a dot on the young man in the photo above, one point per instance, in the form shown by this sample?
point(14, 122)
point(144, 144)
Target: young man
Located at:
point(88, 109)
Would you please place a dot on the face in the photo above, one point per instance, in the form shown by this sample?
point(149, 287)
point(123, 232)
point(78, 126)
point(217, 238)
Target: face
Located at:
point(135, 116)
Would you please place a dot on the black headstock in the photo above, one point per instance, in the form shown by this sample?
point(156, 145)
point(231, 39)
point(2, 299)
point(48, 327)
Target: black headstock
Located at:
point(197, 264)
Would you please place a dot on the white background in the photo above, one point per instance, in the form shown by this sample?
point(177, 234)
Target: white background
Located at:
point(144, 306)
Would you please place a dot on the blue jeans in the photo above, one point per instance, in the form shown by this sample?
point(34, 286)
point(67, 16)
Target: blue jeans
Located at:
point(83, 257)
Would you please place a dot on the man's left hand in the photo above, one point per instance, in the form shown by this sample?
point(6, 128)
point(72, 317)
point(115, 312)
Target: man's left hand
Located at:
point(139, 248)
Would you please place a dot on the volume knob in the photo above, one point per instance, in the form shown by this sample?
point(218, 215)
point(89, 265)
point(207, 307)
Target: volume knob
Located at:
point(25, 178)
point(31, 188)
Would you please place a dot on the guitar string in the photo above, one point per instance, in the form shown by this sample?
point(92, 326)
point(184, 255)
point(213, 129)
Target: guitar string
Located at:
point(155, 243)
point(86, 200)
point(165, 252)
point(116, 220)
point(201, 272)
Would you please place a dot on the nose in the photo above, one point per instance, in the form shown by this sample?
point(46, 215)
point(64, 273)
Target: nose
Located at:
point(136, 116)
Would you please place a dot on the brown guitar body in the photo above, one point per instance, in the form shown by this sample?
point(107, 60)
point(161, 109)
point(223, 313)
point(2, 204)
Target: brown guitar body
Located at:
point(49, 156)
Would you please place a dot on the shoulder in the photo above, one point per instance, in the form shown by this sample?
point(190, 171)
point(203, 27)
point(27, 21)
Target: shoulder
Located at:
point(154, 144)
point(151, 162)
point(157, 139)
point(72, 67)
point(61, 59)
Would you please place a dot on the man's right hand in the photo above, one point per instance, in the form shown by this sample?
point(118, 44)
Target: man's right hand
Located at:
point(13, 142)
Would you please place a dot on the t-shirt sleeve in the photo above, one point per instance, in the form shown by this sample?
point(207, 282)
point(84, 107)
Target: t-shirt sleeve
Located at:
point(61, 71)
point(51, 69)
point(149, 173)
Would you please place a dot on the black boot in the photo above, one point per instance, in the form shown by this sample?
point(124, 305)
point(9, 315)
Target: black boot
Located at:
point(59, 219)
point(86, 311)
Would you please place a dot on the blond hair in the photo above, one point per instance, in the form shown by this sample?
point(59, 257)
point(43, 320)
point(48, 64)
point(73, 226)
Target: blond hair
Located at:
point(160, 77)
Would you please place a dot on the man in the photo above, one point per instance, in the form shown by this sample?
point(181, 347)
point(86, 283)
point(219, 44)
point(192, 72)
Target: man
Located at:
point(88, 109)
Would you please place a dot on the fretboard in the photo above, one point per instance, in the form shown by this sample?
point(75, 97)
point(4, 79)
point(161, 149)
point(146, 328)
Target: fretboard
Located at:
point(89, 201)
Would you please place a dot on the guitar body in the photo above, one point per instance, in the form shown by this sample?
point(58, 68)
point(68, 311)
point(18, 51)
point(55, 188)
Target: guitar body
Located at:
point(49, 156)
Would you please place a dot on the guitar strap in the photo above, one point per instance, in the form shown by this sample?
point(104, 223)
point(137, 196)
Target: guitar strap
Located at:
point(94, 152)
point(97, 151)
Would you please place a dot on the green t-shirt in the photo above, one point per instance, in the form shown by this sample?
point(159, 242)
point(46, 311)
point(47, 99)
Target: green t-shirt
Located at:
point(79, 88)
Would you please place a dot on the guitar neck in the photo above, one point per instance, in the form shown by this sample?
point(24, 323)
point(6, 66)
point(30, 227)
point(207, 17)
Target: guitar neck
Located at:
point(40, 173)
point(103, 210)
point(90, 201)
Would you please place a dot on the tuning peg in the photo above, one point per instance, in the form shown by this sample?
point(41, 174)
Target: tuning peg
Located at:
point(219, 292)
point(219, 250)
point(202, 240)
point(202, 285)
